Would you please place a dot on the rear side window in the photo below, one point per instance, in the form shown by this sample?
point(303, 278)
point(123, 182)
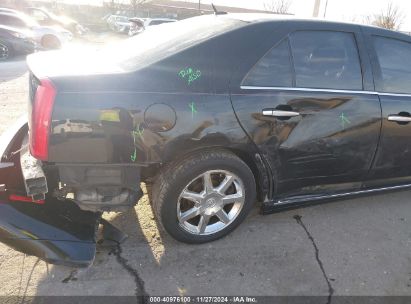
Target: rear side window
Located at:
point(158, 42)
point(274, 69)
point(326, 59)
point(394, 58)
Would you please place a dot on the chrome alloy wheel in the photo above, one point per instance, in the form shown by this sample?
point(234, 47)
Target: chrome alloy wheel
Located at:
point(4, 52)
point(210, 202)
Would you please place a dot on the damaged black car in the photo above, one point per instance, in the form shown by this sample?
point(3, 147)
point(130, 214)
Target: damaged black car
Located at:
point(212, 114)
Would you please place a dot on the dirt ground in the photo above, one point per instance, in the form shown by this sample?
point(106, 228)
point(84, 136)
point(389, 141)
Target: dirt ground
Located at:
point(353, 247)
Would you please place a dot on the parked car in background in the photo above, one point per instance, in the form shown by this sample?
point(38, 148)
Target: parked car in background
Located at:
point(157, 21)
point(138, 25)
point(47, 37)
point(9, 10)
point(45, 17)
point(15, 42)
point(118, 24)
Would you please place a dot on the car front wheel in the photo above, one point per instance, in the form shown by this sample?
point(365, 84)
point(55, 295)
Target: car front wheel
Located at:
point(204, 197)
point(50, 42)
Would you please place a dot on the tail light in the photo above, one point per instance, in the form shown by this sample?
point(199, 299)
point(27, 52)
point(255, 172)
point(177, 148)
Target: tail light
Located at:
point(41, 119)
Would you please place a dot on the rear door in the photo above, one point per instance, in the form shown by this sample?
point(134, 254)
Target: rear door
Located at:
point(391, 58)
point(309, 107)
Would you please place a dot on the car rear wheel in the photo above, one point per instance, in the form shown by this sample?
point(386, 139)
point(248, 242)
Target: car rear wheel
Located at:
point(204, 197)
point(5, 52)
point(50, 42)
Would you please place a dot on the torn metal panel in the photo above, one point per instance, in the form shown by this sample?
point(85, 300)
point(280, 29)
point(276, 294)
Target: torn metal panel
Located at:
point(57, 231)
point(33, 175)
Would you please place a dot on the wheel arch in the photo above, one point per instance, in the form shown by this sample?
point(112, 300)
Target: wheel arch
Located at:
point(248, 156)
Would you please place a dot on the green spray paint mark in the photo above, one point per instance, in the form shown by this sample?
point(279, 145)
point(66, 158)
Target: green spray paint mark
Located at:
point(193, 109)
point(189, 74)
point(136, 133)
point(344, 120)
point(134, 155)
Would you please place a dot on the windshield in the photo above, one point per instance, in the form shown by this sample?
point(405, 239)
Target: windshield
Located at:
point(167, 39)
point(27, 19)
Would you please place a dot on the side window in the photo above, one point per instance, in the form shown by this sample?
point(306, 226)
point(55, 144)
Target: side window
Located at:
point(156, 22)
point(273, 70)
point(38, 15)
point(326, 60)
point(12, 21)
point(394, 58)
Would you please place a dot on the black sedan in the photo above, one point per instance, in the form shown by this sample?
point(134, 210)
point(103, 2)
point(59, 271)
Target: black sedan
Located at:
point(15, 42)
point(213, 114)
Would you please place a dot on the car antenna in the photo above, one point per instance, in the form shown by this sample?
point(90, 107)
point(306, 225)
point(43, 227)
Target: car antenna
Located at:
point(216, 12)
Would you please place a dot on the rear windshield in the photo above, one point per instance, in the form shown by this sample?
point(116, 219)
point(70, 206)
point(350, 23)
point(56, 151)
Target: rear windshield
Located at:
point(161, 41)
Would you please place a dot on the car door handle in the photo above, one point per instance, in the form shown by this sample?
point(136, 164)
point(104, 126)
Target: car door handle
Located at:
point(399, 118)
point(280, 113)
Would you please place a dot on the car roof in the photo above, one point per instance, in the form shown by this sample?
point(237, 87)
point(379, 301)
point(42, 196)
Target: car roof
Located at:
point(12, 29)
point(37, 8)
point(161, 19)
point(19, 15)
point(267, 17)
point(5, 9)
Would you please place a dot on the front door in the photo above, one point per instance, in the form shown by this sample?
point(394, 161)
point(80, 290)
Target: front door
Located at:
point(304, 106)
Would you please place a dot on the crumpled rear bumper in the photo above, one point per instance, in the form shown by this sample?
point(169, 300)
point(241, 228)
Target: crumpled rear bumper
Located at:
point(56, 231)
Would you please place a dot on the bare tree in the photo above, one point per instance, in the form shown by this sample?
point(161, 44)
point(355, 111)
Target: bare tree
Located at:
point(390, 18)
point(135, 4)
point(278, 6)
point(113, 5)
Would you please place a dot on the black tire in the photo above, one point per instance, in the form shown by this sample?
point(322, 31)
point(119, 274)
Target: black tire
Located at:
point(50, 42)
point(174, 178)
point(6, 52)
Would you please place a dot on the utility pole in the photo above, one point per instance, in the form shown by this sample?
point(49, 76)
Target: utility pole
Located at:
point(199, 6)
point(316, 8)
point(325, 10)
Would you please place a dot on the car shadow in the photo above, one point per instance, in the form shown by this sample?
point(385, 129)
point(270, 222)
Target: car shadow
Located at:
point(266, 255)
point(117, 268)
point(151, 263)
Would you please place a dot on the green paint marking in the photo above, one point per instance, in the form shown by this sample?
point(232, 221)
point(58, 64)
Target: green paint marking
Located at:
point(344, 120)
point(139, 132)
point(193, 109)
point(134, 155)
point(189, 74)
point(136, 133)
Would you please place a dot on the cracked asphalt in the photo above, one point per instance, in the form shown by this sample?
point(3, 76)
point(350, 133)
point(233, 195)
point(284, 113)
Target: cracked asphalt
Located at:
point(359, 246)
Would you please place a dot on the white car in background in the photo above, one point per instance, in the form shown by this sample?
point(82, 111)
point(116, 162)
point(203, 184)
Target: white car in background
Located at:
point(46, 37)
point(119, 24)
point(137, 25)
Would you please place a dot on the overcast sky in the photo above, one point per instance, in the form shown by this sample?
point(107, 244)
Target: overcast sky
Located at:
point(343, 10)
